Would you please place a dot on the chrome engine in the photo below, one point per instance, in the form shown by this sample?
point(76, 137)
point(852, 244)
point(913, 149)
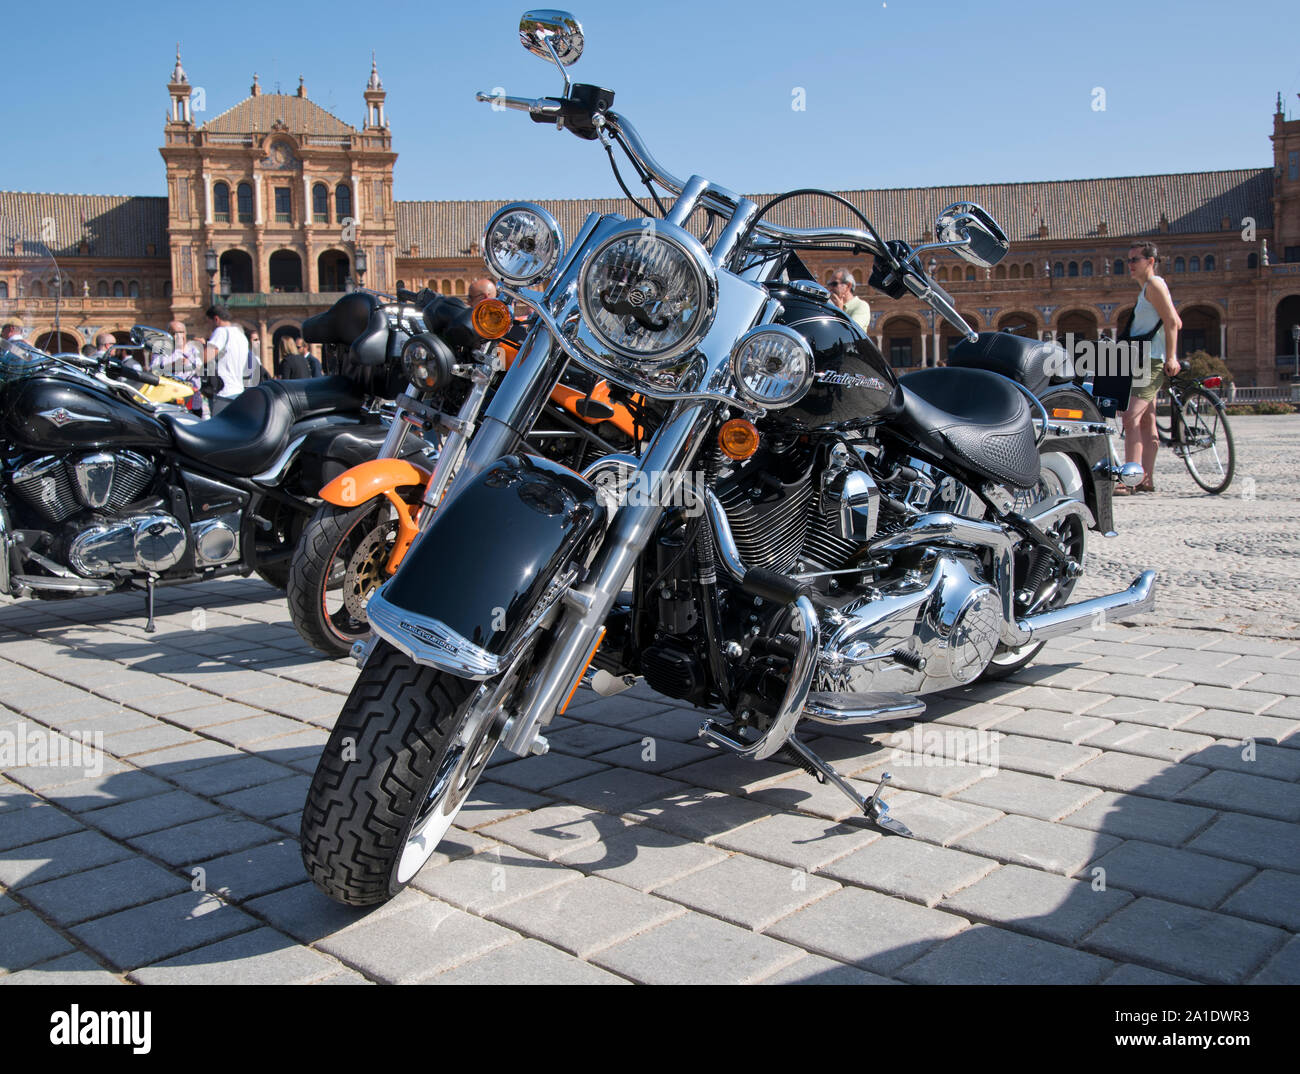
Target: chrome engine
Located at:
point(152, 542)
point(58, 487)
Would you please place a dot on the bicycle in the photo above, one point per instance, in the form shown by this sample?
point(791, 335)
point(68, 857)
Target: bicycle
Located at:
point(1196, 428)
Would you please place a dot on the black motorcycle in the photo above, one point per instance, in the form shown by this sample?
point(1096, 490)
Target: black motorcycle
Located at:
point(101, 493)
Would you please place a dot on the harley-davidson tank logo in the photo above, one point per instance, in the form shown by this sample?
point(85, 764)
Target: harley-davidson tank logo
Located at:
point(427, 635)
point(61, 416)
point(852, 380)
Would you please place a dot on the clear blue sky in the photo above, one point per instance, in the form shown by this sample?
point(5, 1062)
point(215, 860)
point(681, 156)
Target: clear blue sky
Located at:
point(898, 94)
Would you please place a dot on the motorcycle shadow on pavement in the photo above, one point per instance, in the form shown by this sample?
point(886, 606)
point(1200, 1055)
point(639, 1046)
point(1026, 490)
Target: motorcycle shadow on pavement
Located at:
point(186, 868)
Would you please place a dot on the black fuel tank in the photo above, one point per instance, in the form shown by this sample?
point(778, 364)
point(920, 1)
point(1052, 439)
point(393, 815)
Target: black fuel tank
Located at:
point(855, 383)
point(53, 414)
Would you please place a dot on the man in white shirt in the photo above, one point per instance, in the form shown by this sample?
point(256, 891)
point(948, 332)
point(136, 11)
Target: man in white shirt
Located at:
point(227, 356)
point(841, 286)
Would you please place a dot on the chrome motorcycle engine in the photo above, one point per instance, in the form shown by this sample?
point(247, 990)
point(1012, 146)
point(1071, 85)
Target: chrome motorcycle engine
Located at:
point(60, 486)
point(147, 542)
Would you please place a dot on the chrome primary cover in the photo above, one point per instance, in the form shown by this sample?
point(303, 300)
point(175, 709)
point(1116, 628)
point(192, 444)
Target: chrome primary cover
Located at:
point(139, 543)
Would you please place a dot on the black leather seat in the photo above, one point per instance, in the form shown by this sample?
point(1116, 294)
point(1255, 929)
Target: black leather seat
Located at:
point(343, 321)
point(973, 417)
point(1031, 362)
point(246, 437)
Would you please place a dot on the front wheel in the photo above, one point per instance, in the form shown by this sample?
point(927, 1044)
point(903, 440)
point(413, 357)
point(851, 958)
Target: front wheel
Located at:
point(340, 561)
point(407, 749)
point(1206, 445)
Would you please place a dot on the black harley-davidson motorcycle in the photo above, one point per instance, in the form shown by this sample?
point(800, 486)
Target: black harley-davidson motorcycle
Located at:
point(100, 492)
point(803, 536)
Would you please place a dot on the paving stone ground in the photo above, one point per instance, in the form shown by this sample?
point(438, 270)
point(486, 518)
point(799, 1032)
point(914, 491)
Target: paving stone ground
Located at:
point(1134, 815)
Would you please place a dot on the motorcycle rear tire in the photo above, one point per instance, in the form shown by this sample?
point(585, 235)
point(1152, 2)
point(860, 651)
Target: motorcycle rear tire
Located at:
point(398, 732)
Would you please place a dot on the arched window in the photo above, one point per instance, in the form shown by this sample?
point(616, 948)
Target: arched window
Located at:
point(167, 289)
point(1209, 262)
point(1252, 261)
point(970, 274)
point(460, 287)
point(1118, 267)
point(36, 290)
point(119, 289)
point(1015, 272)
point(1194, 265)
point(1087, 268)
point(4, 289)
point(1179, 265)
point(320, 203)
point(432, 285)
point(446, 287)
point(1058, 269)
point(1029, 271)
point(342, 202)
point(244, 202)
point(941, 274)
point(221, 202)
point(134, 289)
point(1074, 268)
point(1000, 273)
point(67, 288)
point(102, 289)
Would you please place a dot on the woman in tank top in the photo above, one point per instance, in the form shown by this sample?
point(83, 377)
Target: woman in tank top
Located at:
point(1154, 312)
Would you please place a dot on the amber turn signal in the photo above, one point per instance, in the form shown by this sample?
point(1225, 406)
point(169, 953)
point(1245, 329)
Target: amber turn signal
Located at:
point(738, 439)
point(491, 318)
point(1071, 415)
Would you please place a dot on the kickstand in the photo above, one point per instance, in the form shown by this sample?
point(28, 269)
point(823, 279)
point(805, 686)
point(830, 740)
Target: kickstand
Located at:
point(872, 808)
point(149, 627)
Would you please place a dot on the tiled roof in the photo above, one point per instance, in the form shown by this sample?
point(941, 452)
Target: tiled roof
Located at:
point(113, 225)
point(300, 115)
point(1193, 202)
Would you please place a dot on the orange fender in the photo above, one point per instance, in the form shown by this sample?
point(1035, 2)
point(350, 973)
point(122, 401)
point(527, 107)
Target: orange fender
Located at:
point(381, 477)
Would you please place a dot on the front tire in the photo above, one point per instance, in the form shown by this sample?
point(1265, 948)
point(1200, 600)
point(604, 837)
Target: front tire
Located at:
point(407, 749)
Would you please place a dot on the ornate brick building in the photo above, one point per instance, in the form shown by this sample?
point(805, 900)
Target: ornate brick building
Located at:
point(279, 205)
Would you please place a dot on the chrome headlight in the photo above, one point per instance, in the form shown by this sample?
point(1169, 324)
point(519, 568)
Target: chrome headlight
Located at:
point(648, 292)
point(522, 243)
point(773, 366)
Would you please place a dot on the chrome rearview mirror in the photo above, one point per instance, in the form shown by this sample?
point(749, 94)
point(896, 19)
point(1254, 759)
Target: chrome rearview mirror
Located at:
point(972, 234)
point(553, 35)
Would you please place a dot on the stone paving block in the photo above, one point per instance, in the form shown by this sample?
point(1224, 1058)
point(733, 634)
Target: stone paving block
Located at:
point(245, 874)
point(617, 790)
point(1149, 688)
point(187, 844)
point(1186, 941)
point(527, 962)
point(490, 802)
point(815, 970)
point(43, 777)
point(74, 969)
point(1272, 897)
point(98, 792)
point(1059, 727)
point(85, 719)
point(1041, 757)
point(984, 955)
point(586, 916)
point(1157, 742)
point(227, 776)
point(1140, 975)
point(539, 773)
point(150, 814)
point(1035, 902)
point(1238, 726)
point(1181, 876)
point(1219, 697)
point(1136, 710)
point(307, 914)
point(1230, 675)
point(256, 729)
point(910, 869)
point(269, 799)
point(38, 862)
point(1056, 848)
point(414, 944)
point(25, 940)
point(211, 712)
point(172, 759)
point(935, 774)
point(650, 754)
point(159, 736)
point(747, 891)
point(1029, 796)
point(1283, 968)
point(798, 842)
point(734, 775)
point(588, 739)
point(1074, 702)
point(695, 949)
point(1072, 676)
point(1250, 646)
point(107, 889)
point(158, 930)
point(1286, 708)
point(623, 709)
point(1255, 840)
point(940, 821)
point(1240, 793)
point(492, 879)
point(1274, 683)
point(1252, 758)
point(33, 822)
point(803, 794)
point(980, 716)
point(642, 856)
point(1132, 816)
point(1135, 774)
point(699, 814)
point(867, 929)
point(679, 724)
point(554, 831)
point(260, 957)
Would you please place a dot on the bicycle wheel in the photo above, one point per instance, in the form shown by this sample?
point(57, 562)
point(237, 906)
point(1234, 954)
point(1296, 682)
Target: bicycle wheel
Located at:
point(1206, 446)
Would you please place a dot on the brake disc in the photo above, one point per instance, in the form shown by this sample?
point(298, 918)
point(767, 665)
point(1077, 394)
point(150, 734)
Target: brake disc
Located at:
point(366, 568)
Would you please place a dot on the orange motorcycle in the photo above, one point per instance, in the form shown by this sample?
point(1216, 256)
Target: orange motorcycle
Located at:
point(451, 359)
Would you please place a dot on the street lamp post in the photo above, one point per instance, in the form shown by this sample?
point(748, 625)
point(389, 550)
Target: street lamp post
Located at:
point(360, 263)
point(211, 263)
point(1295, 342)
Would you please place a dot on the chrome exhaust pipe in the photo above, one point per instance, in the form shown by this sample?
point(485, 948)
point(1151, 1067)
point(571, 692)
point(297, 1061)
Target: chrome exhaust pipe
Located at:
point(1137, 598)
